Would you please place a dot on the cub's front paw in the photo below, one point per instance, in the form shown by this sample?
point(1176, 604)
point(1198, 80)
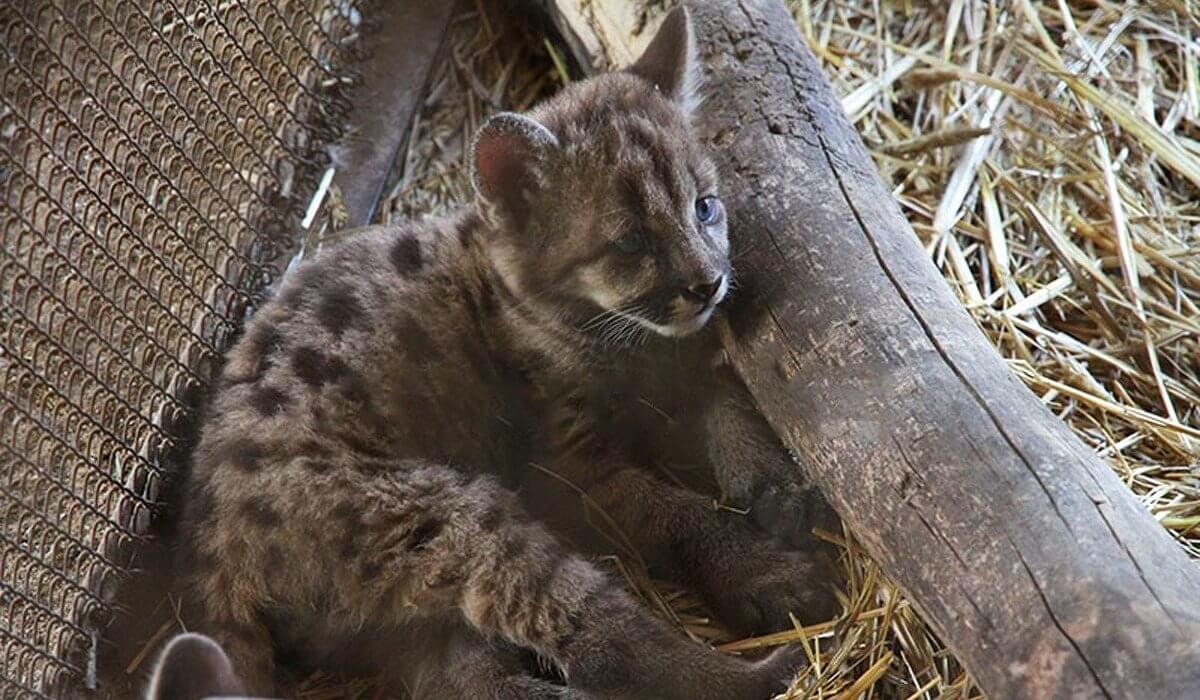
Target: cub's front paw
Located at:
point(754, 586)
point(791, 511)
point(778, 668)
point(528, 688)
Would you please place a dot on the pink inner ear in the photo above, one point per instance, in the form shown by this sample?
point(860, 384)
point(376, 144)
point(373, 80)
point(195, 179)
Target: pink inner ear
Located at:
point(499, 162)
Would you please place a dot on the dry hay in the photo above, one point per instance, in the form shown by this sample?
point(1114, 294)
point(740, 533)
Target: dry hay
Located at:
point(1048, 156)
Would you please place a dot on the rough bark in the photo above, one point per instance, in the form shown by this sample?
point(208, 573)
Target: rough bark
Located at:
point(1022, 549)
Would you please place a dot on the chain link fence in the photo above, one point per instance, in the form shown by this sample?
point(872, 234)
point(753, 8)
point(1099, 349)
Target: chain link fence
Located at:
point(155, 156)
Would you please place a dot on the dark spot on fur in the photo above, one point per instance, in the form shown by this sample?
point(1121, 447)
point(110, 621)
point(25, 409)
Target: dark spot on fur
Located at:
point(309, 365)
point(243, 455)
point(424, 533)
point(313, 448)
point(260, 346)
point(336, 368)
point(349, 548)
point(355, 388)
point(274, 557)
point(406, 256)
point(317, 466)
point(513, 546)
point(350, 521)
point(347, 513)
point(372, 421)
point(268, 400)
point(488, 302)
point(249, 458)
point(373, 465)
point(362, 444)
point(370, 570)
point(259, 511)
point(418, 345)
point(269, 342)
point(338, 309)
point(315, 368)
point(492, 517)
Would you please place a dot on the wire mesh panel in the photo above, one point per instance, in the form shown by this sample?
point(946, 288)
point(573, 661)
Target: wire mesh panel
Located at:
point(154, 156)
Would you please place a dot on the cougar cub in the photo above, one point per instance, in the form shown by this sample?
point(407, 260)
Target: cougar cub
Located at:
point(357, 475)
point(193, 667)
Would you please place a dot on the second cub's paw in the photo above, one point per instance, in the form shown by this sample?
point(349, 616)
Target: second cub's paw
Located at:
point(791, 511)
point(757, 588)
point(528, 688)
point(778, 668)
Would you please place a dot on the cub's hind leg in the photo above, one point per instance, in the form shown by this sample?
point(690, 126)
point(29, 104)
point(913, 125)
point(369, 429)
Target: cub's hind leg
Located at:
point(351, 542)
point(405, 539)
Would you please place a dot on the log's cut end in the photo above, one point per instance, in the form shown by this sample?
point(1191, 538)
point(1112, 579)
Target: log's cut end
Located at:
point(1021, 547)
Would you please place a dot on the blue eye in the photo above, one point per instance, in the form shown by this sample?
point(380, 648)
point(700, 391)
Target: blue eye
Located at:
point(708, 209)
point(630, 243)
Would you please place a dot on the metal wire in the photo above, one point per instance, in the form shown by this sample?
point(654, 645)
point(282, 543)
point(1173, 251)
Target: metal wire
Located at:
point(154, 158)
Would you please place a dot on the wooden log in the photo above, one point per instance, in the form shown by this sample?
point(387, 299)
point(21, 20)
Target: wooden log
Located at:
point(1022, 548)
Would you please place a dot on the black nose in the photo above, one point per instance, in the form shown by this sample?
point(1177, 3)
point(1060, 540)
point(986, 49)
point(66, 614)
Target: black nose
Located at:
point(704, 293)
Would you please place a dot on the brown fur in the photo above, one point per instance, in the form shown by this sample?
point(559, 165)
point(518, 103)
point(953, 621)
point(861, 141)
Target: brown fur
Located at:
point(359, 467)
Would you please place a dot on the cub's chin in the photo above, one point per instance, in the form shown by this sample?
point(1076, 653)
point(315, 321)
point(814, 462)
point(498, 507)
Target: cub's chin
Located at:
point(688, 326)
point(681, 327)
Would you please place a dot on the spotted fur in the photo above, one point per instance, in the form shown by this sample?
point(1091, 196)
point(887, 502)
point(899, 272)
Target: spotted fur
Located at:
point(359, 465)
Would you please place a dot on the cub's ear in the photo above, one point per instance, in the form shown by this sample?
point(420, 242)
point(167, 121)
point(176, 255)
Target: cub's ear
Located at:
point(509, 158)
point(669, 62)
point(193, 667)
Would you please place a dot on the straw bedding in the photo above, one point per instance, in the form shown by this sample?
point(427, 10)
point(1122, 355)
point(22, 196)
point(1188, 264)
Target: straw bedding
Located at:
point(1048, 156)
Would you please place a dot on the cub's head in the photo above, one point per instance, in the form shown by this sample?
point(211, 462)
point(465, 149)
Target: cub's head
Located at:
point(603, 205)
point(194, 667)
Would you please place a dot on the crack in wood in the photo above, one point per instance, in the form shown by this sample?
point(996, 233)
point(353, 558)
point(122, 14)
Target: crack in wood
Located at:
point(1057, 623)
